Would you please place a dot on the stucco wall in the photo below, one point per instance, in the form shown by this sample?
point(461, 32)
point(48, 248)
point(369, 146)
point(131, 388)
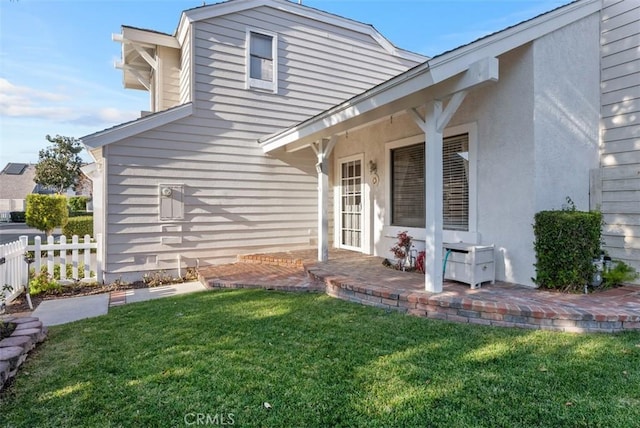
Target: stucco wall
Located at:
point(566, 113)
point(506, 207)
point(537, 140)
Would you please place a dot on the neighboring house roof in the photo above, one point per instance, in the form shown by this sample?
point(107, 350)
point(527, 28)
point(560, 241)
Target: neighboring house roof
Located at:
point(16, 180)
point(415, 86)
point(135, 127)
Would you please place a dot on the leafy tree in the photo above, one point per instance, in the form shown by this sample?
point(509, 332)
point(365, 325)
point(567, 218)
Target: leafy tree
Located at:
point(46, 212)
point(59, 165)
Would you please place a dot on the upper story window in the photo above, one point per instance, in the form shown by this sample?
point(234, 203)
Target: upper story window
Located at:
point(262, 61)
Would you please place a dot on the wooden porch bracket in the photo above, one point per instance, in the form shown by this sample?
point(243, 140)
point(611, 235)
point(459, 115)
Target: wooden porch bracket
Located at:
point(144, 82)
point(145, 55)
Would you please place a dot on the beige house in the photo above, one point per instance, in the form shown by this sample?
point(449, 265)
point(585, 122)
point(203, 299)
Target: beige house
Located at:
point(16, 182)
point(277, 126)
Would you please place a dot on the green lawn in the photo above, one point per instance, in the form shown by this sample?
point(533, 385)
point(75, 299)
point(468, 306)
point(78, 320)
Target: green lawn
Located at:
point(220, 356)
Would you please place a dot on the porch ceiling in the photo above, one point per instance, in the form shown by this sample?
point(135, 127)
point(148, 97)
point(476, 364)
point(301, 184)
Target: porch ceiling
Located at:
point(407, 91)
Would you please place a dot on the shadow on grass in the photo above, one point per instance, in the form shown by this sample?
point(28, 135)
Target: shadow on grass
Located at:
point(318, 362)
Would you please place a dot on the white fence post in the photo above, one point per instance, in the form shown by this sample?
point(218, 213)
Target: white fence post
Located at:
point(24, 278)
point(63, 259)
point(37, 253)
point(74, 257)
point(87, 259)
point(50, 255)
point(99, 261)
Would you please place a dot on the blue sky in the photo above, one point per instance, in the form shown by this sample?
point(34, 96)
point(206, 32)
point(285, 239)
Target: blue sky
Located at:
point(56, 57)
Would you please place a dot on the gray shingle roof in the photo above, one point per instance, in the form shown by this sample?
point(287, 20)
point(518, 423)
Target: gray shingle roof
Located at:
point(16, 181)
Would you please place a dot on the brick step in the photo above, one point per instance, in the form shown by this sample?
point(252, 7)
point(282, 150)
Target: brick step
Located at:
point(278, 259)
point(270, 273)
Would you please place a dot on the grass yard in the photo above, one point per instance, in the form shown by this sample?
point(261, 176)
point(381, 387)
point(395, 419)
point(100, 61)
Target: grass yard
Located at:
point(218, 357)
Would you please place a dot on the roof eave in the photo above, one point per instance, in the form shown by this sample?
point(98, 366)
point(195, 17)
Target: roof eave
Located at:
point(225, 8)
point(130, 129)
point(431, 72)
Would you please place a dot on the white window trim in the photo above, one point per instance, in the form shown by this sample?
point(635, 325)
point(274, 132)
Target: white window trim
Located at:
point(365, 241)
point(258, 84)
point(471, 236)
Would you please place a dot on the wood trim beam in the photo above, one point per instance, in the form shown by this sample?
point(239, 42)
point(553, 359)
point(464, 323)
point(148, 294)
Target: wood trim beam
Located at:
point(145, 55)
point(451, 108)
point(419, 120)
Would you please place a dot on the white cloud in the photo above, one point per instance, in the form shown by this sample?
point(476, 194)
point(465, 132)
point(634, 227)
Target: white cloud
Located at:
point(26, 102)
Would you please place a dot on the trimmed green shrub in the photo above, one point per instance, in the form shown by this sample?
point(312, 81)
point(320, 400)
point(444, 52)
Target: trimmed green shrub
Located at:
point(566, 242)
point(18, 216)
point(78, 203)
point(46, 212)
point(78, 226)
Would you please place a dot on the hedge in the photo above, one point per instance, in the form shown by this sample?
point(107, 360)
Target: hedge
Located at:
point(566, 242)
point(80, 213)
point(78, 226)
point(78, 203)
point(46, 212)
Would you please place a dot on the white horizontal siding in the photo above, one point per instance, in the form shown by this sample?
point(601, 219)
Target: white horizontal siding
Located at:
point(236, 199)
point(620, 158)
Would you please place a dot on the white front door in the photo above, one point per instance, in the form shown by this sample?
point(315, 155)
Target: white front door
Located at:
point(351, 204)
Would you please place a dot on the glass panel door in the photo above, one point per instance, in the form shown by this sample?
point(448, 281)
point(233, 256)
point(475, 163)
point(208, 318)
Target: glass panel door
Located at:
point(351, 205)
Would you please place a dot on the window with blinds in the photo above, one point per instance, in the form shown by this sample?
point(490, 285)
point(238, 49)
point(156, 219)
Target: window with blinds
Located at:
point(455, 183)
point(407, 184)
point(261, 57)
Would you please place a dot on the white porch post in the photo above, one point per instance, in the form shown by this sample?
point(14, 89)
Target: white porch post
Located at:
point(433, 198)
point(322, 150)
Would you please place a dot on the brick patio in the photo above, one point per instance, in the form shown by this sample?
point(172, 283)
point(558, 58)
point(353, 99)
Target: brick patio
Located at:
point(363, 279)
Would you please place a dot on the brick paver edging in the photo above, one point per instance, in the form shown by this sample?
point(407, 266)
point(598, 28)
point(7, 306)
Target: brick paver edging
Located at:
point(361, 283)
point(463, 310)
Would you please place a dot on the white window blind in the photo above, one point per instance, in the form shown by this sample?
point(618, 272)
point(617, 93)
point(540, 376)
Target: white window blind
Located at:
point(455, 183)
point(261, 57)
point(408, 192)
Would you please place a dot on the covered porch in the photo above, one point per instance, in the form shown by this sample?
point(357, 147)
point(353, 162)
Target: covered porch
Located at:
point(363, 279)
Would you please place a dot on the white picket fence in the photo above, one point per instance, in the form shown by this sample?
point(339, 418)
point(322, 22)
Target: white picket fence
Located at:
point(14, 268)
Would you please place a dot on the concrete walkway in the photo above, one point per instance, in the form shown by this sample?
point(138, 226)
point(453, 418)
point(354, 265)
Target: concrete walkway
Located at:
point(62, 311)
